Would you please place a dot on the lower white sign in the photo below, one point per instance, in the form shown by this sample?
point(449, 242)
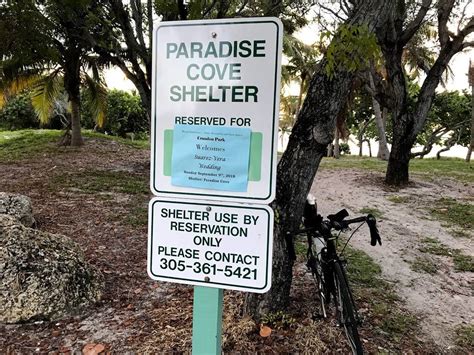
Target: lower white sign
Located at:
point(216, 245)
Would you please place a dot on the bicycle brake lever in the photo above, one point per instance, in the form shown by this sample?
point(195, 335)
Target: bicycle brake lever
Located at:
point(374, 233)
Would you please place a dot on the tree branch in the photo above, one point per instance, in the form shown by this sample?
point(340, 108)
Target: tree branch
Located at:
point(183, 11)
point(468, 29)
point(244, 4)
point(467, 45)
point(137, 14)
point(149, 14)
point(334, 13)
point(223, 8)
point(445, 8)
point(209, 9)
point(413, 26)
point(463, 14)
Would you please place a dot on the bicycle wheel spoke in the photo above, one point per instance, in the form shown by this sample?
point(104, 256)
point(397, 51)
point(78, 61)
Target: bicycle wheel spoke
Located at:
point(317, 274)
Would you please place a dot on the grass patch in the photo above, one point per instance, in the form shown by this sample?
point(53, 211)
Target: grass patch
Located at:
point(398, 199)
point(138, 217)
point(371, 210)
point(362, 269)
point(28, 143)
point(423, 264)
point(465, 336)
point(278, 320)
point(354, 162)
point(398, 323)
point(103, 181)
point(137, 143)
point(459, 233)
point(301, 248)
point(17, 145)
point(378, 296)
point(450, 167)
point(459, 215)
point(433, 246)
point(463, 262)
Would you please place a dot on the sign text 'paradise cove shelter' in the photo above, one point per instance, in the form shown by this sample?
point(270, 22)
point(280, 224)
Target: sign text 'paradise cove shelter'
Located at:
point(216, 106)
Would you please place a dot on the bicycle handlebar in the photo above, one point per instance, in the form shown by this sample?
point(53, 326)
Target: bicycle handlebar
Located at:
point(337, 222)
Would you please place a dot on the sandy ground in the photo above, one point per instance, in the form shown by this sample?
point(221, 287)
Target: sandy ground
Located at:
point(443, 300)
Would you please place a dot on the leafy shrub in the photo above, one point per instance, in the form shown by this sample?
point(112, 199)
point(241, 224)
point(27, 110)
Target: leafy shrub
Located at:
point(18, 113)
point(344, 148)
point(125, 114)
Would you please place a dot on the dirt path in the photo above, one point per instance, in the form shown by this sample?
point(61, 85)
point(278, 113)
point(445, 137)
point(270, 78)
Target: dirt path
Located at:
point(442, 300)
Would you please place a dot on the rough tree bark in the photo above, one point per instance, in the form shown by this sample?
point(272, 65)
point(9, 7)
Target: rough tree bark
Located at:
point(313, 131)
point(72, 83)
point(337, 150)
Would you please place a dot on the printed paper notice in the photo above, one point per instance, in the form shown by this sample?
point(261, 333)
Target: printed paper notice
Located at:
point(210, 157)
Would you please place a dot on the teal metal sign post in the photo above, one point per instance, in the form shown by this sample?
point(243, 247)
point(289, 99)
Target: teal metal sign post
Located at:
point(207, 320)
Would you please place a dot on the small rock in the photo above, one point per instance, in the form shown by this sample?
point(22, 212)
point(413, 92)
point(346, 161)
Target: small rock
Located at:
point(17, 206)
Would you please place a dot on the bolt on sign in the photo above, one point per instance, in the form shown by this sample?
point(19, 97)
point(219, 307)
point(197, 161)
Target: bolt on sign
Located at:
point(215, 109)
point(214, 245)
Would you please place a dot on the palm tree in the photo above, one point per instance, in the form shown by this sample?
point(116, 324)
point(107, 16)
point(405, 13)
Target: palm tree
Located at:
point(48, 96)
point(52, 51)
point(301, 64)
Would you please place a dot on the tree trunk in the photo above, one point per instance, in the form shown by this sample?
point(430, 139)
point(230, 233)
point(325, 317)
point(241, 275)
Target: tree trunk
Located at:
point(360, 135)
point(370, 147)
point(72, 85)
point(313, 131)
point(471, 146)
point(398, 163)
point(337, 150)
point(383, 152)
point(76, 136)
point(330, 152)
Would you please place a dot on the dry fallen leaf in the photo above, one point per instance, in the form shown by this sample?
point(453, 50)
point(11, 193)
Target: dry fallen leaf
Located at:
point(93, 349)
point(265, 331)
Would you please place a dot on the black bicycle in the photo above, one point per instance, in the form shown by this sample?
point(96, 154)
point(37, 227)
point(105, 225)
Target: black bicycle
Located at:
point(327, 265)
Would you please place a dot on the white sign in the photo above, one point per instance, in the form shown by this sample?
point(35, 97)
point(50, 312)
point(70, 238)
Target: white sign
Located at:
point(217, 84)
point(214, 245)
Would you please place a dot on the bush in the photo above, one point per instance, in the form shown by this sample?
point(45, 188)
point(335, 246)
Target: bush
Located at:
point(18, 113)
point(125, 114)
point(344, 148)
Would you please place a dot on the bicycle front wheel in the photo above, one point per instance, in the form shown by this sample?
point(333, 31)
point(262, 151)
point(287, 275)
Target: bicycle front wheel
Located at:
point(346, 312)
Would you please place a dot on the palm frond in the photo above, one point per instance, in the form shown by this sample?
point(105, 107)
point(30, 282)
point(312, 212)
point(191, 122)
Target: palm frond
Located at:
point(44, 93)
point(10, 88)
point(98, 96)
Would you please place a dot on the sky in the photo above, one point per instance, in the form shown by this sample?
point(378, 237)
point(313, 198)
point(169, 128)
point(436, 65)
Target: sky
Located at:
point(459, 64)
point(115, 79)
